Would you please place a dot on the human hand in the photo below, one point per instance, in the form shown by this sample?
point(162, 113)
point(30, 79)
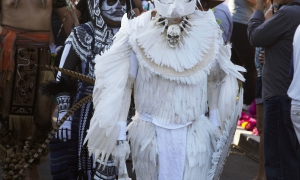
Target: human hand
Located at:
point(261, 57)
point(268, 14)
point(119, 155)
point(261, 5)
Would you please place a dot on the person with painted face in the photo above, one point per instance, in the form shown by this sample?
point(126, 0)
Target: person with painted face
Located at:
point(175, 59)
point(70, 158)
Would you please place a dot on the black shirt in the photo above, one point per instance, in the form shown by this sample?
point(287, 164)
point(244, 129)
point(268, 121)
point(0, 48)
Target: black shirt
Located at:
point(276, 36)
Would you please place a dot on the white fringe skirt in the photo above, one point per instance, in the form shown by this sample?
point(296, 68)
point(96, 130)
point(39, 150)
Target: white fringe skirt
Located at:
point(179, 154)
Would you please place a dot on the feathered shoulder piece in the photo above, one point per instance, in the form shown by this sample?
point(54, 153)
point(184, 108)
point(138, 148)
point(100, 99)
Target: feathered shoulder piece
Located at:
point(111, 72)
point(53, 88)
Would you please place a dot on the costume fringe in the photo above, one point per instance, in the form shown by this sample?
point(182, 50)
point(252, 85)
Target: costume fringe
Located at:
point(8, 68)
point(9, 56)
point(201, 138)
point(197, 43)
point(224, 142)
point(46, 76)
point(52, 88)
point(18, 122)
point(176, 103)
point(4, 78)
point(5, 153)
point(109, 97)
point(177, 65)
point(142, 137)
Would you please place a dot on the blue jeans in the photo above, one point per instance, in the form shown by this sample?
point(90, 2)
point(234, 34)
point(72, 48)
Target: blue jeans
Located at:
point(281, 146)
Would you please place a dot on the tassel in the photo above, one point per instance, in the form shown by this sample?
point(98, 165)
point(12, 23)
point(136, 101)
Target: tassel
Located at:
point(16, 3)
point(44, 3)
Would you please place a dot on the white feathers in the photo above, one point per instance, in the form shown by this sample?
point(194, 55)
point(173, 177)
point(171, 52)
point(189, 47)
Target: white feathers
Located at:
point(142, 137)
point(199, 149)
point(154, 53)
point(171, 86)
point(224, 142)
point(112, 72)
point(227, 65)
point(167, 101)
point(197, 43)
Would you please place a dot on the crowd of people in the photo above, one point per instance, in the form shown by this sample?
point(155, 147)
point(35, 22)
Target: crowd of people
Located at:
point(163, 76)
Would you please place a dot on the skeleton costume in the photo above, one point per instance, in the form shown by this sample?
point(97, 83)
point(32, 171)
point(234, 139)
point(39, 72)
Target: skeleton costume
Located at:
point(84, 43)
point(180, 69)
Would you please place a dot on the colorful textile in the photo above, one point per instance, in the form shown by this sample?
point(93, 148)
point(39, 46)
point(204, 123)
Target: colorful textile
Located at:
point(10, 36)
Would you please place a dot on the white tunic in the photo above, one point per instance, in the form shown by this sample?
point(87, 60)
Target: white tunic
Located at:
point(170, 91)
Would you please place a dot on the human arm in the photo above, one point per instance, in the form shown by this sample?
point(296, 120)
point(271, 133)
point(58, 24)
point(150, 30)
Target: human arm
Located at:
point(111, 95)
point(268, 14)
point(213, 90)
point(222, 88)
point(66, 18)
point(138, 5)
point(261, 57)
point(67, 13)
point(69, 61)
point(253, 2)
point(263, 33)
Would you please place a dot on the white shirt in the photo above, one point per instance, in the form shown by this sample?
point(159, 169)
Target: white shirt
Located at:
point(294, 89)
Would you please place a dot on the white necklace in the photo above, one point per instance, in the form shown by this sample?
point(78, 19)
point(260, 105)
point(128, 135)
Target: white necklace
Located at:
point(174, 30)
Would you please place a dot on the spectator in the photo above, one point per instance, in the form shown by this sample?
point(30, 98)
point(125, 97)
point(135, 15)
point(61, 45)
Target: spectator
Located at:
point(294, 90)
point(259, 57)
point(275, 36)
point(147, 5)
point(259, 61)
point(222, 13)
point(70, 158)
point(25, 114)
point(242, 51)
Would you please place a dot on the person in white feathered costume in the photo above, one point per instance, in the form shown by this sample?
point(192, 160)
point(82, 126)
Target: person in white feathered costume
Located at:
point(175, 59)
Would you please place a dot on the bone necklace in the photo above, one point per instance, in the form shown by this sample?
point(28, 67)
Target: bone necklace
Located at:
point(174, 30)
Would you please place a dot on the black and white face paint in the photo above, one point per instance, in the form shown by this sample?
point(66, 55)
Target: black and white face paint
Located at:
point(113, 9)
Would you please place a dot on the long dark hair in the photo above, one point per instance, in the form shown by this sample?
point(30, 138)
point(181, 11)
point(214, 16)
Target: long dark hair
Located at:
point(83, 8)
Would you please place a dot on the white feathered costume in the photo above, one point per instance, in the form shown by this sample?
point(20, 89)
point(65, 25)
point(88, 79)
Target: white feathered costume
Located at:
point(170, 136)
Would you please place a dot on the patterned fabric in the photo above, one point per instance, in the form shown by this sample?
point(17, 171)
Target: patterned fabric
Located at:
point(85, 163)
point(63, 105)
point(82, 39)
point(8, 138)
point(108, 173)
point(25, 81)
point(88, 40)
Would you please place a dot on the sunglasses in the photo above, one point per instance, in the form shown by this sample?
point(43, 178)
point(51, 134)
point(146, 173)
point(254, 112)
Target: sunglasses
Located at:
point(113, 2)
